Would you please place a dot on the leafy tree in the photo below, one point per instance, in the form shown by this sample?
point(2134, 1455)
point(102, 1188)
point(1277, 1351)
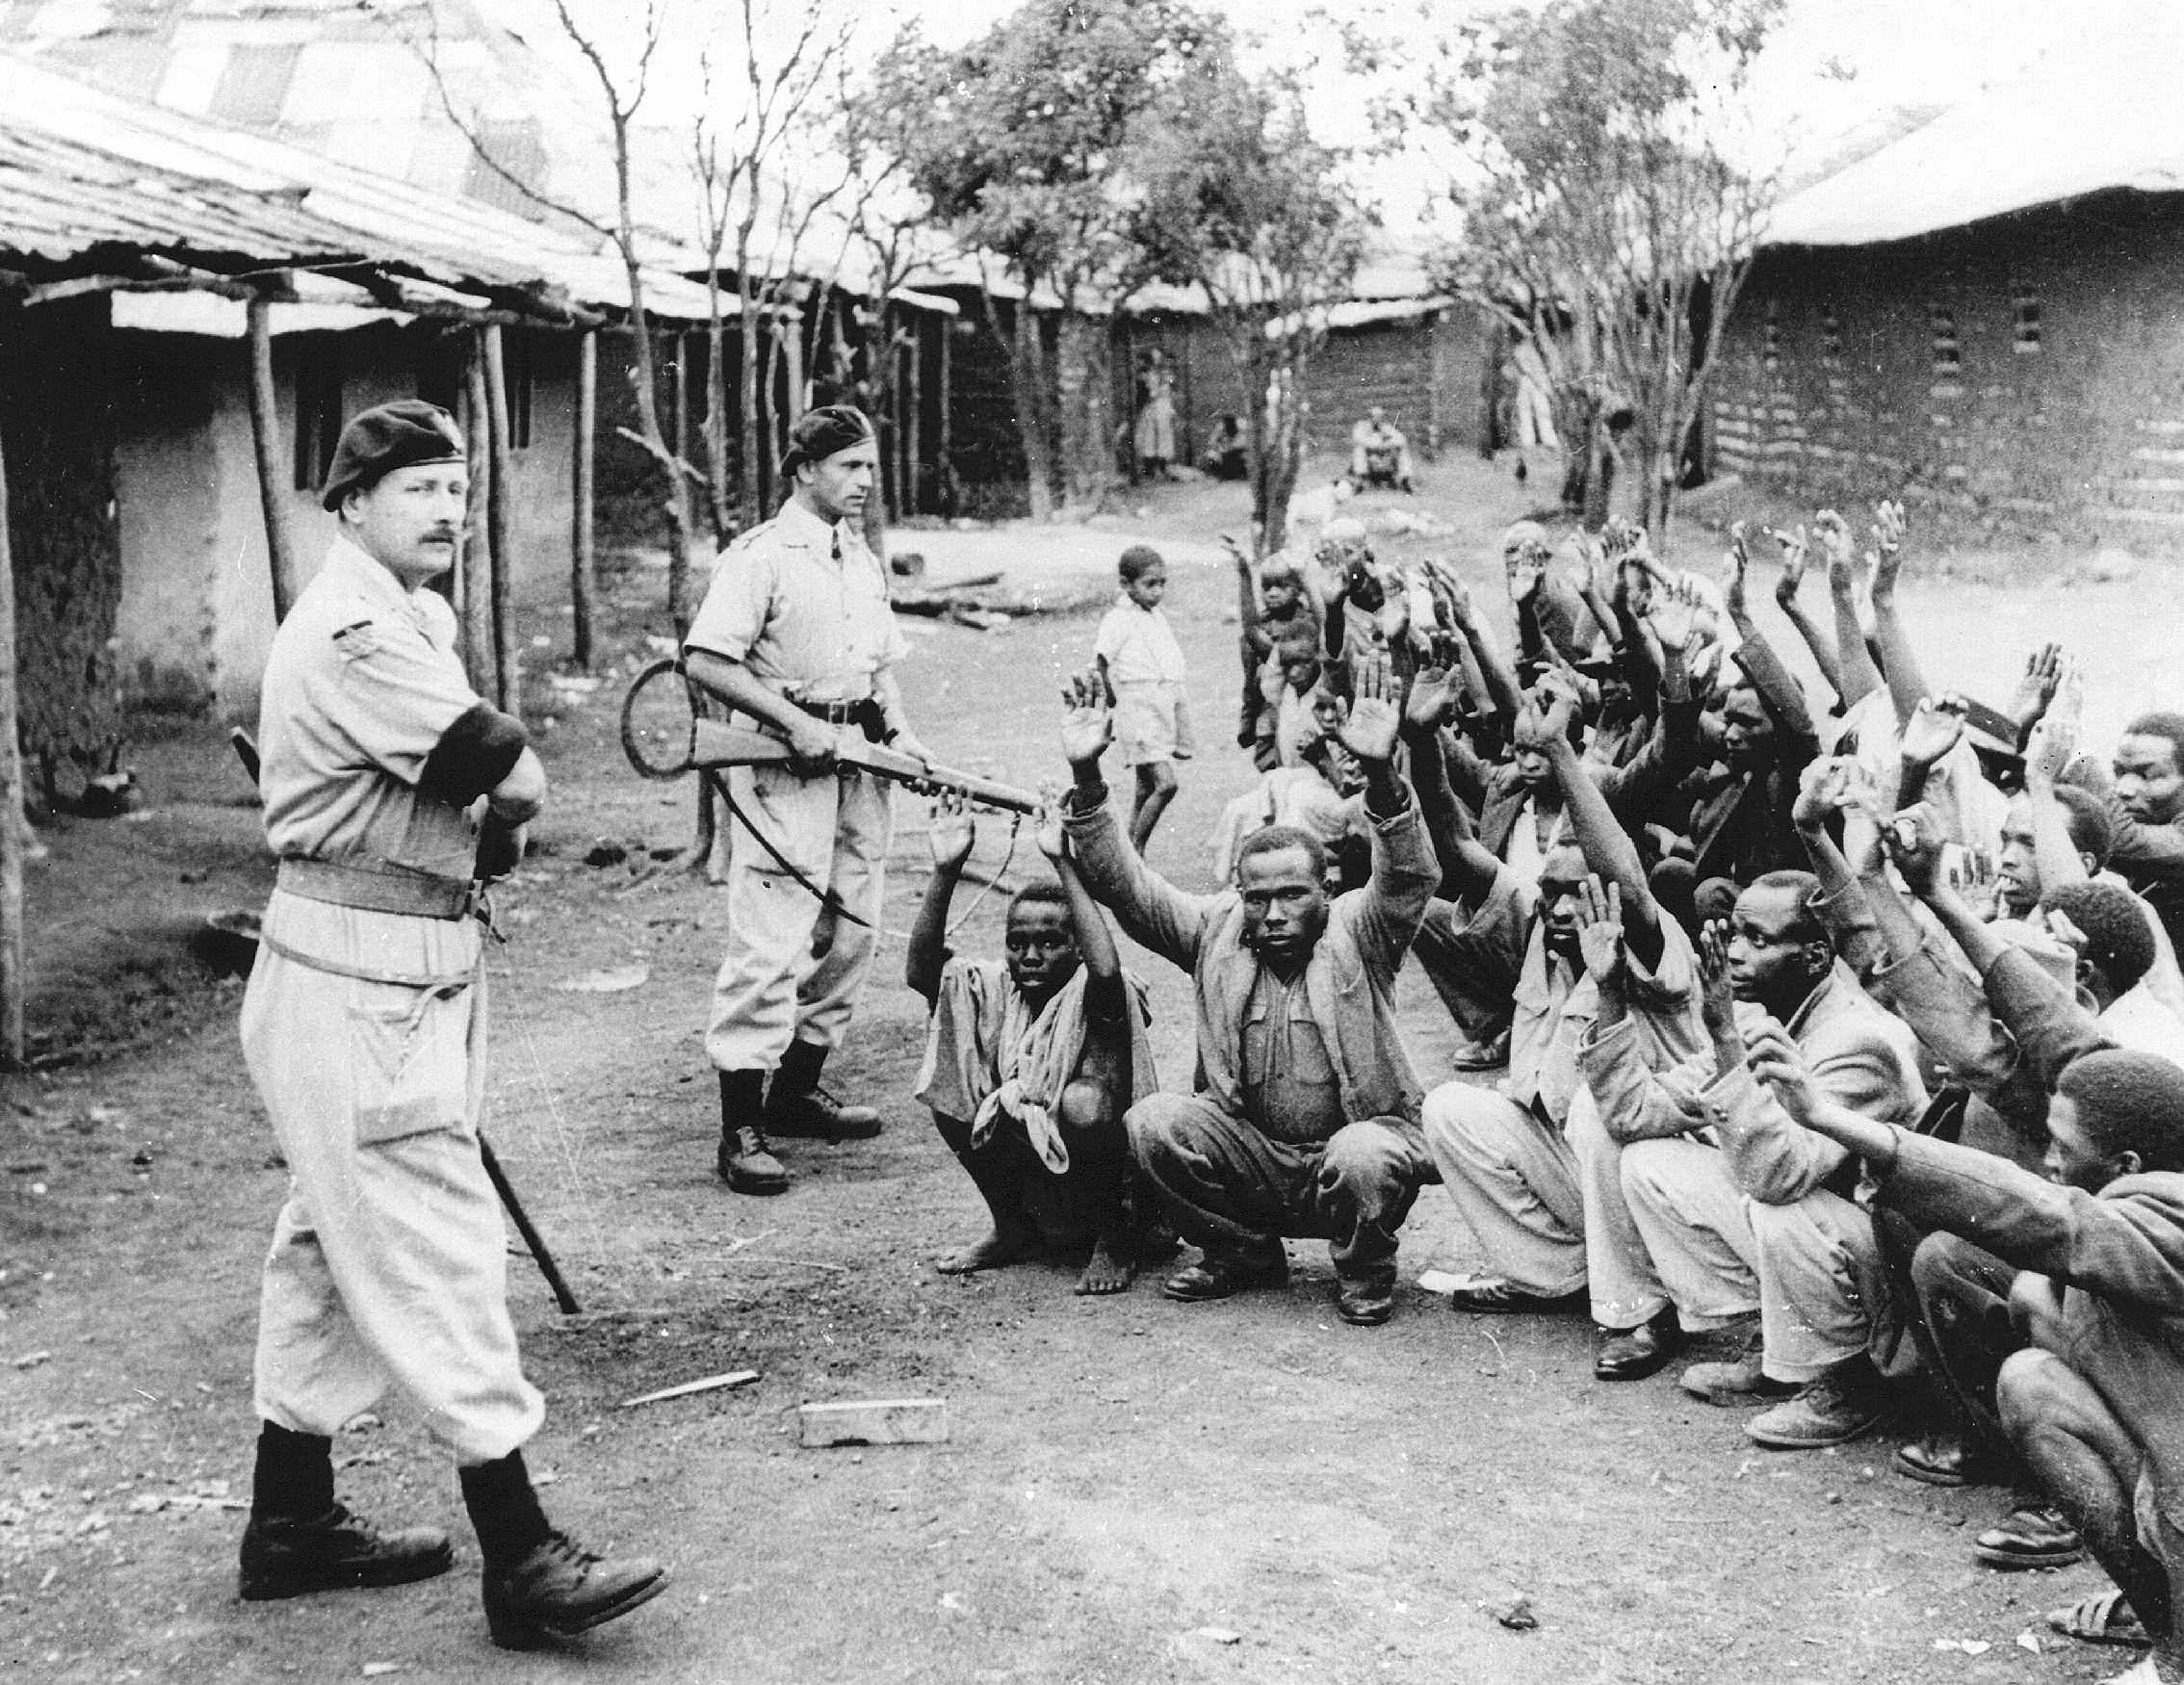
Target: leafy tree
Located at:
point(1609, 202)
point(1018, 142)
point(1238, 197)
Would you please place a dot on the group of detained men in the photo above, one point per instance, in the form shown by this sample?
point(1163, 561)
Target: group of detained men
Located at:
point(1854, 1075)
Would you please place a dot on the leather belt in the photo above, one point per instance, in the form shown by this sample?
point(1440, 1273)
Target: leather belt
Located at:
point(378, 888)
point(835, 713)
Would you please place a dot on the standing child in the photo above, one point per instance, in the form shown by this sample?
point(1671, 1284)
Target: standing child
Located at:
point(1030, 1062)
point(1282, 633)
point(1141, 667)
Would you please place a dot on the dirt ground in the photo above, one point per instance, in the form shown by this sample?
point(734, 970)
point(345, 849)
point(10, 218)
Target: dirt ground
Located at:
point(1133, 1491)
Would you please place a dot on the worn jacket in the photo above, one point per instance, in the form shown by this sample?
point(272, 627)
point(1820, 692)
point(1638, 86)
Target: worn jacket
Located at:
point(1349, 980)
point(2118, 1253)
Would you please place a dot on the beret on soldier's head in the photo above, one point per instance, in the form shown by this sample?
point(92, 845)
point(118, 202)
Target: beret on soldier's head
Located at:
point(401, 434)
point(822, 431)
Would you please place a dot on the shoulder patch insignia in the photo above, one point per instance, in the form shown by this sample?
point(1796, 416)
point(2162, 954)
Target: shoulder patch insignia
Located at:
point(356, 640)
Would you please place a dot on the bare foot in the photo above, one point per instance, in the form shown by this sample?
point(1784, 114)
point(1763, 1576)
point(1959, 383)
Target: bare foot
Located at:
point(997, 1248)
point(1109, 1269)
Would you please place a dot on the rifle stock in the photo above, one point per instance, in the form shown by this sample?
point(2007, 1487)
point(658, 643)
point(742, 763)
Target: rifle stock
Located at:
point(716, 744)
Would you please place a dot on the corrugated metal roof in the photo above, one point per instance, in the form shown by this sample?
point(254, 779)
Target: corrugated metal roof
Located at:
point(84, 172)
point(2100, 111)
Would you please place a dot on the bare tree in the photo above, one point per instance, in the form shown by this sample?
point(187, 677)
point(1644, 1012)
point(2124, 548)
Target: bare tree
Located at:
point(1608, 209)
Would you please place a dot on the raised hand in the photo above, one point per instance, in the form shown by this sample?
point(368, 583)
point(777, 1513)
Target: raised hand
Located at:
point(1739, 558)
point(1674, 614)
point(1825, 787)
point(1914, 840)
point(954, 832)
point(1432, 698)
point(1835, 536)
point(1795, 547)
point(2044, 669)
point(1526, 570)
point(2048, 749)
point(1778, 1062)
point(1454, 598)
point(1372, 720)
point(1623, 541)
point(1717, 998)
point(1087, 727)
point(1889, 525)
point(1600, 931)
point(1048, 828)
point(1934, 729)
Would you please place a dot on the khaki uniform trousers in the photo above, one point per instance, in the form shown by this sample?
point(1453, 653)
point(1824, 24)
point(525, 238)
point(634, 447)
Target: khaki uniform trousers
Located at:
point(794, 969)
point(1811, 1267)
point(389, 1262)
point(1546, 1204)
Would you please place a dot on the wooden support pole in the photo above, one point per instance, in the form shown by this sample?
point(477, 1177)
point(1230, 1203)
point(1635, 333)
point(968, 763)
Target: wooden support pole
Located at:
point(793, 348)
point(914, 418)
point(12, 825)
point(476, 594)
point(681, 343)
point(272, 483)
point(499, 496)
point(943, 453)
point(582, 562)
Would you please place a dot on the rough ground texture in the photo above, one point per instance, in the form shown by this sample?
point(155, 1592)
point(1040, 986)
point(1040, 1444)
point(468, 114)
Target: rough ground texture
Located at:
point(1134, 1491)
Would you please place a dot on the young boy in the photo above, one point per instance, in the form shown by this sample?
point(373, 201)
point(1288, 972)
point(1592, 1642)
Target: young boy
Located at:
point(1282, 633)
point(1032, 1062)
point(1141, 665)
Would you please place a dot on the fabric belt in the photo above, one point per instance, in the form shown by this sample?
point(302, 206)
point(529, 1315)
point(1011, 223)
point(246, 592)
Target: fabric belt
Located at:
point(379, 888)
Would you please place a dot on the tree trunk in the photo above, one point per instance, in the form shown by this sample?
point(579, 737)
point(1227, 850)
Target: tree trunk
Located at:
point(477, 561)
point(584, 572)
point(499, 522)
point(14, 841)
point(1028, 375)
point(265, 437)
point(750, 491)
point(1084, 383)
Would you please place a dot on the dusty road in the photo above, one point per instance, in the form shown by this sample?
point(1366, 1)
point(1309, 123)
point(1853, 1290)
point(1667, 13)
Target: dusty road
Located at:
point(1134, 1491)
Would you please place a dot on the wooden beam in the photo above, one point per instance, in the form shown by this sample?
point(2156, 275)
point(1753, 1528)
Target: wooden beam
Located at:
point(583, 558)
point(944, 455)
point(273, 480)
point(498, 497)
point(12, 824)
point(477, 558)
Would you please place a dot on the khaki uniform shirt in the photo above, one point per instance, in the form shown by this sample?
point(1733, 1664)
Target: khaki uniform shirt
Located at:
point(804, 605)
point(362, 683)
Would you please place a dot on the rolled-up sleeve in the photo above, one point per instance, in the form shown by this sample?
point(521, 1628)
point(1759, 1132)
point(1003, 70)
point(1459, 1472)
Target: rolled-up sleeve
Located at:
point(734, 613)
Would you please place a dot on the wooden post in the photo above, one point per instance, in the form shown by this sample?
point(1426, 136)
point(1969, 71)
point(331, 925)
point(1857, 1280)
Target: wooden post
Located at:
point(681, 342)
point(477, 528)
point(790, 328)
point(499, 494)
point(944, 455)
point(12, 824)
point(265, 435)
point(583, 566)
point(915, 404)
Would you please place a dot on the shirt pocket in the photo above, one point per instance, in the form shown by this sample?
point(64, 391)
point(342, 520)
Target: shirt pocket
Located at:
point(409, 1051)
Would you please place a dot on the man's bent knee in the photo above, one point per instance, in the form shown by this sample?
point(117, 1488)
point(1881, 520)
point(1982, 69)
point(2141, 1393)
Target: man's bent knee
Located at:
point(2034, 1387)
point(1087, 1106)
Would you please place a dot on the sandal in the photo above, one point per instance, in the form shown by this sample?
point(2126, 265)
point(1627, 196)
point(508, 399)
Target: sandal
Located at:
point(2030, 1536)
point(2103, 1617)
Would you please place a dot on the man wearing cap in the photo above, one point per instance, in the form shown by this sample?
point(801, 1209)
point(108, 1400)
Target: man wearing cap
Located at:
point(364, 1029)
point(796, 635)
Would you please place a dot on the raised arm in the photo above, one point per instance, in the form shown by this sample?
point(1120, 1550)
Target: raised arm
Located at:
point(1404, 870)
point(952, 836)
point(2050, 741)
point(1251, 612)
point(1105, 998)
point(1859, 678)
point(1899, 659)
point(1467, 869)
point(1454, 600)
point(1822, 646)
point(1607, 846)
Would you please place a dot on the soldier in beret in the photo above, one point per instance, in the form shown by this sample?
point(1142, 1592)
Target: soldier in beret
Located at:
point(795, 635)
point(364, 1029)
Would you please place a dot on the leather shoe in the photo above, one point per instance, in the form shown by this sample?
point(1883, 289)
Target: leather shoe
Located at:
point(1947, 1459)
point(1218, 1275)
point(1740, 1381)
point(1631, 1354)
point(1365, 1304)
point(559, 1590)
point(1496, 1297)
point(747, 1165)
point(1833, 1409)
point(2030, 1536)
point(813, 1114)
point(287, 1557)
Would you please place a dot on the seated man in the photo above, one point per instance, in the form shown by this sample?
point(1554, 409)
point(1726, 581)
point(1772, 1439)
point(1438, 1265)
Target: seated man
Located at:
point(1030, 1063)
point(1307, 1118)
point(1759, 1219)
point(1379, 452)
point(1529, 1169)
point(2094, 1403)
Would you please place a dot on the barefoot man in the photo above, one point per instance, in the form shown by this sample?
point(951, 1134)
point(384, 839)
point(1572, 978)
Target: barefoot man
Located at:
point(1032, 1062)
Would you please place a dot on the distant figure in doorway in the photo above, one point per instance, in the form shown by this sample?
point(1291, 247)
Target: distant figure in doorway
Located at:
point(1156, 416)
point(1380, 455)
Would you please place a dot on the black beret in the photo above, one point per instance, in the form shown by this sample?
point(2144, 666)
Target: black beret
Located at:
point(822, 431)
point(401, 434)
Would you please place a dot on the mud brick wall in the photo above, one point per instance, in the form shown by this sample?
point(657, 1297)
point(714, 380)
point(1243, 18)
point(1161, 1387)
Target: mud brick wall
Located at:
point(2023, 377)
point(1426, 372)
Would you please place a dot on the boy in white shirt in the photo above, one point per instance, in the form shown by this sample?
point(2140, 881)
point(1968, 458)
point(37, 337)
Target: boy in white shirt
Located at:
point(1141, 665)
